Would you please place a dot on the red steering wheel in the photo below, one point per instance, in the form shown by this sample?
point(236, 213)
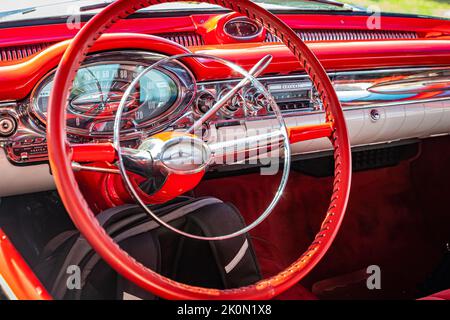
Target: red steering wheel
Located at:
point(60, 154)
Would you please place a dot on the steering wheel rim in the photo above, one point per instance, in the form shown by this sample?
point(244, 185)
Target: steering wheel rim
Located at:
point(84, 219)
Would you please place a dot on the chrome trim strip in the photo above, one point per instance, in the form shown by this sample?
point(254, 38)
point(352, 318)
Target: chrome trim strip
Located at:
point(78, 167)
point(331, 74)
point(358, 89)
point(7, 289)
point(29, 127)
point(241, 253)
point(348, 35)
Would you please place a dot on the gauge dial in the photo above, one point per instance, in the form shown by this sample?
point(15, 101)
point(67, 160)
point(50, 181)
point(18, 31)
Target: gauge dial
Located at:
point(205, 101)
point(255, 99)
point(233, 105)
point(242, 28)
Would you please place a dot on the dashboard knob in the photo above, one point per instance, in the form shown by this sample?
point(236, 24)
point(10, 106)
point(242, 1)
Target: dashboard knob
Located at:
point(255, 100)
point(375, 115)
point(260, 100)
point(7, 125)
point(204, 102)
point(236, 103)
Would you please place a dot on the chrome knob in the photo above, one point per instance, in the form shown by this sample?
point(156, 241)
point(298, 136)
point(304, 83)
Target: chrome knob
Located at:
point(260, 100)
point(7, 125)
point(255, 100)
point(375, 115)
point(233, 105)
point(204, 102)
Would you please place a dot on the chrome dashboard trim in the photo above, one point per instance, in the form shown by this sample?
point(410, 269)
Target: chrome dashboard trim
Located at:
point(383, 99)
point(6, 289)
point(348, 35)
point(30, 128)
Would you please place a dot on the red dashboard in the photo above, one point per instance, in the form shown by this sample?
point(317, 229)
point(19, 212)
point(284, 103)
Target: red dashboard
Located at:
point(349, 45)
point(207, 26)
point(359, 60)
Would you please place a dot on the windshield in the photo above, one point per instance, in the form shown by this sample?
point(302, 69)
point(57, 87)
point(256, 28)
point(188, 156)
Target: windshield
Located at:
point(35, 9)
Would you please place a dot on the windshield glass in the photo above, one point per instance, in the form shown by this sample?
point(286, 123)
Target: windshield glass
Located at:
point(35, 9)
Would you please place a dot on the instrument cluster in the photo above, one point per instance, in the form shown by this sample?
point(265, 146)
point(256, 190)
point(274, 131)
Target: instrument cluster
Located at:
point(100, 84)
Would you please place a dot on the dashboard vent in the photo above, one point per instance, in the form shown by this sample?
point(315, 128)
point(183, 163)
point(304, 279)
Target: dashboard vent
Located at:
point(345, 35)
point(185, 39)
point(21, 52)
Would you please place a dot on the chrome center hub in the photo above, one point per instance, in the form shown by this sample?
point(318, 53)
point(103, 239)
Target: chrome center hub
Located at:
point(183, 155)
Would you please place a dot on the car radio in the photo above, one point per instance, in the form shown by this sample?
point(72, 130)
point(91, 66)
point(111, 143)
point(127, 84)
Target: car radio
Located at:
point(291, 91)
point(293, 95)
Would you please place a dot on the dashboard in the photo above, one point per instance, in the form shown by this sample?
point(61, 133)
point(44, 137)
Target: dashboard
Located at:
point(387, 94)
point(170, 92)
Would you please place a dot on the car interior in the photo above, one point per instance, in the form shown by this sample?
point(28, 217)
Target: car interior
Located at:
point(223, 149)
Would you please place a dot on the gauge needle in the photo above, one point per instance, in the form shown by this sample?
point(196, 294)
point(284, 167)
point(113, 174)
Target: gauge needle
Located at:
point(99, 87)
point(254, 72)
point(239, 30)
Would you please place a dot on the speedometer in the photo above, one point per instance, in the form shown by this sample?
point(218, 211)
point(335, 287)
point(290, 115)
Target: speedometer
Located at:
point(99, 87)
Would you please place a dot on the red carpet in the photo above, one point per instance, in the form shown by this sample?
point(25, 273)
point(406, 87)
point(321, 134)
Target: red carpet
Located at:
point(397, 218)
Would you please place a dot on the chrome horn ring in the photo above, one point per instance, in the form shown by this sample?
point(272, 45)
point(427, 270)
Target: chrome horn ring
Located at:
point(282, 133)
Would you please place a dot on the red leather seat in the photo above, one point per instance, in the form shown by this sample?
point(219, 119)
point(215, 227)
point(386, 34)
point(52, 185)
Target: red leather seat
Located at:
point(443, 295)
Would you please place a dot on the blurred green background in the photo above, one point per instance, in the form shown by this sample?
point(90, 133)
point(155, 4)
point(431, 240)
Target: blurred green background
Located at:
point(425, 7)
point(439, 8)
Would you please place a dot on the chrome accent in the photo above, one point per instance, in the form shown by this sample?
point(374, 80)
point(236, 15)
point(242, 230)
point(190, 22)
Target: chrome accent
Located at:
point(375, 115)
point(241, 149)
point(416, 84)
point(27, 143)
point(356, 90)
point(78, 167)
point(180, 155)
point(29, 129)
point(6, 289)
point(254, 101)
point(348, 35)
point(8, 125)
point(185, 155)
point(204, 101)
point(363, 89)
